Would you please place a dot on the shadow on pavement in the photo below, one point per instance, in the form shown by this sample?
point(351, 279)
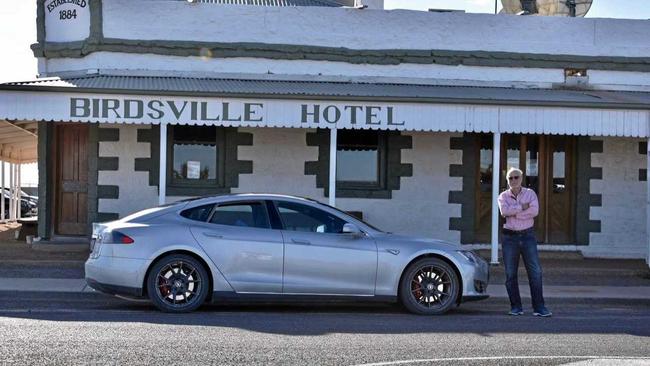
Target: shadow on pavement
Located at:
point(485, 318)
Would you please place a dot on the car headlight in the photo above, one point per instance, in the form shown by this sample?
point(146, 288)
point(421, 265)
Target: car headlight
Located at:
point(470, 256)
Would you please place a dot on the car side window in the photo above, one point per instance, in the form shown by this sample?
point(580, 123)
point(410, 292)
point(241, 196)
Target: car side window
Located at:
point(200, 213)
point(298, 217)
point(244, 214)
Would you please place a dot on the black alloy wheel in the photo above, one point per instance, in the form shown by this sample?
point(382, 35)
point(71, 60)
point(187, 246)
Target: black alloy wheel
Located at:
point(429, 286)
point(178, 284)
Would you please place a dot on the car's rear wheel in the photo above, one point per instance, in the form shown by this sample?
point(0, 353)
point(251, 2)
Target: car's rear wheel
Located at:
point(429, 286)
point(177, 283)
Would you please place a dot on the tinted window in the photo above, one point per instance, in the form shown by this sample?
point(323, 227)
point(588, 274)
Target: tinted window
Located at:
point(200, 213)
point(194, 151)
point(297, 217)
point(244, 214)
point(357, 156)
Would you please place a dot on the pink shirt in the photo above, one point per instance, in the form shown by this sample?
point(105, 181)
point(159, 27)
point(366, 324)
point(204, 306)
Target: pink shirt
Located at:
point(511, 208)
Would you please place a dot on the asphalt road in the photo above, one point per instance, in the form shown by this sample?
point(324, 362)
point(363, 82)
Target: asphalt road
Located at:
point(50, 328)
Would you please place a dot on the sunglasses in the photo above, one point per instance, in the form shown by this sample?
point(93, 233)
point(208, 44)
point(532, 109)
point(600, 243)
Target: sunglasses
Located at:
point(516, 177)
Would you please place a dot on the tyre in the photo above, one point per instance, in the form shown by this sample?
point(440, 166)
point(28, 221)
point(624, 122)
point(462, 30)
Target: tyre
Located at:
point(429, 286)
point(178, 283)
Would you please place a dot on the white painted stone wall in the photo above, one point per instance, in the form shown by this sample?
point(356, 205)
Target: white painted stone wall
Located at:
point(374, 29)
point(360, 29)
point(279, 156)
point(419, 208)
point(623, 211)
point(155, 65)
point(135, 192)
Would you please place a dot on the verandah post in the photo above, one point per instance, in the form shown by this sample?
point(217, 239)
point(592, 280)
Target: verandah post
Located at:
point(332, 175)
point(12, 205)
point(647, 226)
point(162, 177)
point(2, 182)
point(19, 191)
point(496, 169)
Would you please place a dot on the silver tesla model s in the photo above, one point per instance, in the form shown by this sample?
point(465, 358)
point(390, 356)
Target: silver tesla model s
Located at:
point(252, 247)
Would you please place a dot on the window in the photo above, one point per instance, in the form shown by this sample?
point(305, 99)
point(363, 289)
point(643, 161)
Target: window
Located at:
point(244, 214)
point(196, 155)
point(200, 158)
point(201, 213)
point(297, 217)
point(360, 159)
point(485, 163)
point(369, 163)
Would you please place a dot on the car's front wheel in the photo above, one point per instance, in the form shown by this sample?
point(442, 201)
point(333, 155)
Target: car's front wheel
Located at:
point(429, 286)
point(177, 283)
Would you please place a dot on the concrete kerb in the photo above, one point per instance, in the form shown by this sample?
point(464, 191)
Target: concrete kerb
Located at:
point(75, 248)
point(74, 285)
point(580, 292)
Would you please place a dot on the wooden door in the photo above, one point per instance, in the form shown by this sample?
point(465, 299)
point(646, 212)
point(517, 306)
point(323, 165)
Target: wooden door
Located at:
point(483, 189)
point(71, 208)
point(560, 187)
point(548, 163)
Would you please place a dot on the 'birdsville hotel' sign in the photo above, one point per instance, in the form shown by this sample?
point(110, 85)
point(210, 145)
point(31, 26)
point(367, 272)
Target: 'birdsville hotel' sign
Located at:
point(249, 112)
point(215, 112)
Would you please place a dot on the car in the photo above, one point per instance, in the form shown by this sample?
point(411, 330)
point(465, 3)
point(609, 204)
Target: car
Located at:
point(28, 204)
point(268, 247)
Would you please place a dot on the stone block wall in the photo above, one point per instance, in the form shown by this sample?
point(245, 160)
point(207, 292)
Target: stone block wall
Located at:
point(623, 211)
point(121, 189)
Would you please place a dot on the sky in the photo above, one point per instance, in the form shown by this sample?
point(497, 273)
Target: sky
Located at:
point(633, 9)
point(18, 31)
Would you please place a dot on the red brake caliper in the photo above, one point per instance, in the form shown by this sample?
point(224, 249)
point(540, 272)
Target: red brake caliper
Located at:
point(163, 285)
point(416, 289)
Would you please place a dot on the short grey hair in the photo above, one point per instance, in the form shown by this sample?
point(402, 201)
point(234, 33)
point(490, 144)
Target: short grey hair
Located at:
point(514, 170)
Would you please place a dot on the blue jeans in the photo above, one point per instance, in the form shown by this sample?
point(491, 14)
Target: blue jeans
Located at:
point(524, 245)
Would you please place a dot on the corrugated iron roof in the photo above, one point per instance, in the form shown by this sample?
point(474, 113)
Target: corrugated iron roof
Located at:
point(149, 85)
point(324, 3)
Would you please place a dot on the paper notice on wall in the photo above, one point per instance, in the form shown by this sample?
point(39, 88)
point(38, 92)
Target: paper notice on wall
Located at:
point(193, 169)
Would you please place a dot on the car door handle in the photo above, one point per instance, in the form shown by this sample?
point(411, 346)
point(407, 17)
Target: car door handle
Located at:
point(301, 241)
point(213, 235)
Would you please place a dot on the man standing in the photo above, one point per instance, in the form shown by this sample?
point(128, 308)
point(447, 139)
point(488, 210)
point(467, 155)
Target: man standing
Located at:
point(520, 206)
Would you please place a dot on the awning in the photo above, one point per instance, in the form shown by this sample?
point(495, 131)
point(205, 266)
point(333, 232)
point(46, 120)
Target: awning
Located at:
point(18, 141)
point(326, 104)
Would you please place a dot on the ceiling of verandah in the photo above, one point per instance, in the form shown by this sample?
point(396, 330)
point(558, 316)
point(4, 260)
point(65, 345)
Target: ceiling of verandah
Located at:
point(18, 141)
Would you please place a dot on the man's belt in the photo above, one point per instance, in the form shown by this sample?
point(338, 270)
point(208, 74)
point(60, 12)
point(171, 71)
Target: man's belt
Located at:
point(517, 232)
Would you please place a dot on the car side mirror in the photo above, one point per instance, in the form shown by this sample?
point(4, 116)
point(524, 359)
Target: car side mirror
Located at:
point(351, 229)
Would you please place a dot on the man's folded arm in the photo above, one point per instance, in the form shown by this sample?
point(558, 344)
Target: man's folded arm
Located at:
point(531, 212)
point(508, 210)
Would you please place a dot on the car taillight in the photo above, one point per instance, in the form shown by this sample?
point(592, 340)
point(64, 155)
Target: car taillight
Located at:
point(119, 238)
